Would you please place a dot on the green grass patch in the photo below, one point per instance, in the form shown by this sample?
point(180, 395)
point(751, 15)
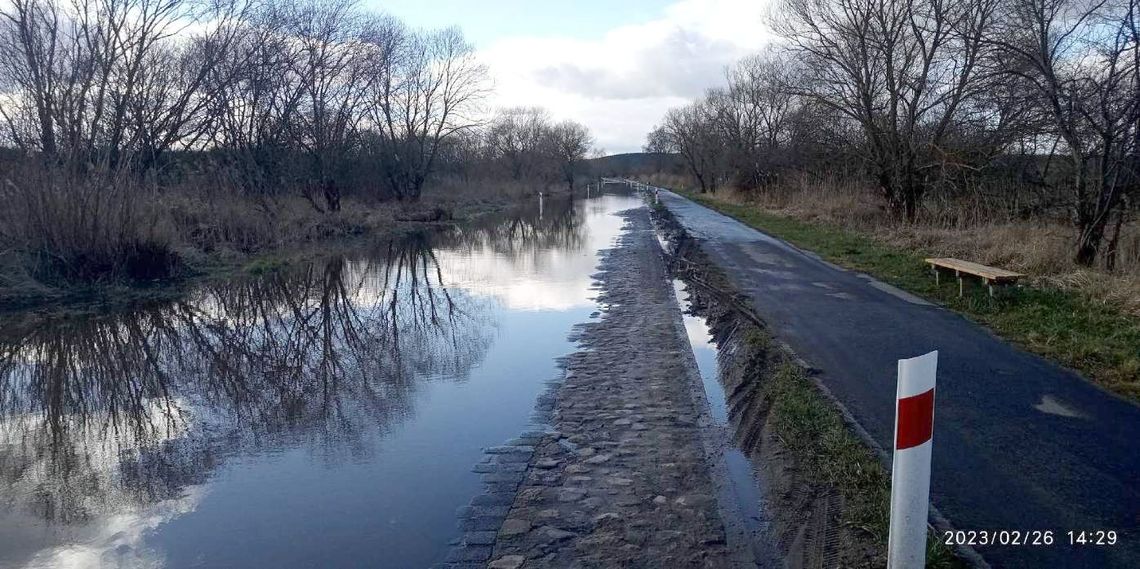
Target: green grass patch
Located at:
point(828, 453)
point(1091, 337)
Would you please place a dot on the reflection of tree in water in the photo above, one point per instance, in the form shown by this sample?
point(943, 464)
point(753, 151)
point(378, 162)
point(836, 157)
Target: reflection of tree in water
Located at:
point(524, 230)
point(98, 410)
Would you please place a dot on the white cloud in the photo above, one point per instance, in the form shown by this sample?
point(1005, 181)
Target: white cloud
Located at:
point(620, 84)
point(540, 277)
point(119, 540)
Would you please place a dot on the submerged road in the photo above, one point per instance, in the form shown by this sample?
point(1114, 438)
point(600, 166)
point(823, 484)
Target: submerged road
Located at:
point(1020, 443)
point(626, 469)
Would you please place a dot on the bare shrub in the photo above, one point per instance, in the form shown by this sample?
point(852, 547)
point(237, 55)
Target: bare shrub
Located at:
point(98, 228)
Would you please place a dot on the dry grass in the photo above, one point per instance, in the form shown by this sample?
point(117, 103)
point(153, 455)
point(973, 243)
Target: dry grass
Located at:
point(1043, 249)
point(56, 229)
point(230, 226)
point(63, 234)
point(467, 195)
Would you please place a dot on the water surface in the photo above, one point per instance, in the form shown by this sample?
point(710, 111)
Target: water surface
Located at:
point(743, 482)
point(325, 415)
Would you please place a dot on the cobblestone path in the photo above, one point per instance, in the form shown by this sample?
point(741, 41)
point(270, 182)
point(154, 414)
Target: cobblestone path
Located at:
point(621, 477)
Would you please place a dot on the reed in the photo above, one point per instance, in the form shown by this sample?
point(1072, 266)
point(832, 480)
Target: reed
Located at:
point(59, 229)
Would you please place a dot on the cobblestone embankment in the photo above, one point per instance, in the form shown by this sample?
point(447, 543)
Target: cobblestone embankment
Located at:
point(621, 477)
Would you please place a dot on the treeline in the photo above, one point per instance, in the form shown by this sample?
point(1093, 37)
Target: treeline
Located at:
point(942, 98)
point(111, 111)
point(520, 144)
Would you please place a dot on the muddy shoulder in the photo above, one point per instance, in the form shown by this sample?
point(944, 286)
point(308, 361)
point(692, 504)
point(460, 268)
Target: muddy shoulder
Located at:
point(812, 522)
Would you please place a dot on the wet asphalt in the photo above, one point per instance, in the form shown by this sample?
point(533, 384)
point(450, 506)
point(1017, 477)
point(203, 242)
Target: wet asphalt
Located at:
point(1020, 443)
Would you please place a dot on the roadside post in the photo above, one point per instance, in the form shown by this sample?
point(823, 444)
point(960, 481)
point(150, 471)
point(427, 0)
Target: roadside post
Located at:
point(910, 473)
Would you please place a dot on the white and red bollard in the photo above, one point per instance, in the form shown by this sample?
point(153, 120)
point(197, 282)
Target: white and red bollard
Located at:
point(910, 474)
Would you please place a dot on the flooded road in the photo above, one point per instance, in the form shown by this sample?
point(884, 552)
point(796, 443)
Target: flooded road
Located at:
point(327, 414)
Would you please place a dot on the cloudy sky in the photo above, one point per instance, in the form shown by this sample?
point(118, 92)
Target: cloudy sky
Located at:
point(614, 65)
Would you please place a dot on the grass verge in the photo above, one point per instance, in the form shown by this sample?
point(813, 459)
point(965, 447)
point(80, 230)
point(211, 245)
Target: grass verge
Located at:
point(827, 452)
point(1091, 337)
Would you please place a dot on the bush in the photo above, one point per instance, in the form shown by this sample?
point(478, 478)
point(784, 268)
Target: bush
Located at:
point(67, 231)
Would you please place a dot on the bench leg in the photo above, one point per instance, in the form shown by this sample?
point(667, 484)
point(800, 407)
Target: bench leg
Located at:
point(937, 276)
point(990, 285)
point(960, 285)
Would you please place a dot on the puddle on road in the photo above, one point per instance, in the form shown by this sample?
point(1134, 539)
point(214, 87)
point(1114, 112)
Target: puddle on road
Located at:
point(1053, 406)
point(327, 415)
point(742, 477)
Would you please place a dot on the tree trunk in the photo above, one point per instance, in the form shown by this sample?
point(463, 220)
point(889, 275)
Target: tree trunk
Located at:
point(1087, 246)
point(47, 133)
point(1091, 227)
point(332, 195)
point(1112, 251)
point(416, 190)
point(1088, 232)
point(912, 194)
point(887, 187)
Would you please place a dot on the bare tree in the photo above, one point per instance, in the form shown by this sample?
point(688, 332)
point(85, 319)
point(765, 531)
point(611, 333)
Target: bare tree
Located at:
point(1082, 60)
point(258, 95)
point(426, 89)
point(29, 48)
point(331, 66)
point(298, 96)
point(569, 142)
point(690, 132)
point(110, 82)
point(516, 137)
point(753, 115)
point(900, 69)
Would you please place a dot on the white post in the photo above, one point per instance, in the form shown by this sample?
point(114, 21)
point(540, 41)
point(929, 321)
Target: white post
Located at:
point(910, 474)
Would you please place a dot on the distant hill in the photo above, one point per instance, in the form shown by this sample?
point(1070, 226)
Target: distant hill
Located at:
point(633, 163)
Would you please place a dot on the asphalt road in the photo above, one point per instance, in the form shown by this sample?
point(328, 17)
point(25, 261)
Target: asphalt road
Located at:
point(1019, 443)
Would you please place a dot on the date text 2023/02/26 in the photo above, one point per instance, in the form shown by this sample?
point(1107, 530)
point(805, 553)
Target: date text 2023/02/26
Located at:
point(1095, 538)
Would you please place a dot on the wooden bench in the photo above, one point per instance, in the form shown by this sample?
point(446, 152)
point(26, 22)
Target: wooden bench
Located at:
point(990, 275)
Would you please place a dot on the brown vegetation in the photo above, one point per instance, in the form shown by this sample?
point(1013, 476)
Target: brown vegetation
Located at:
point(138, 135)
